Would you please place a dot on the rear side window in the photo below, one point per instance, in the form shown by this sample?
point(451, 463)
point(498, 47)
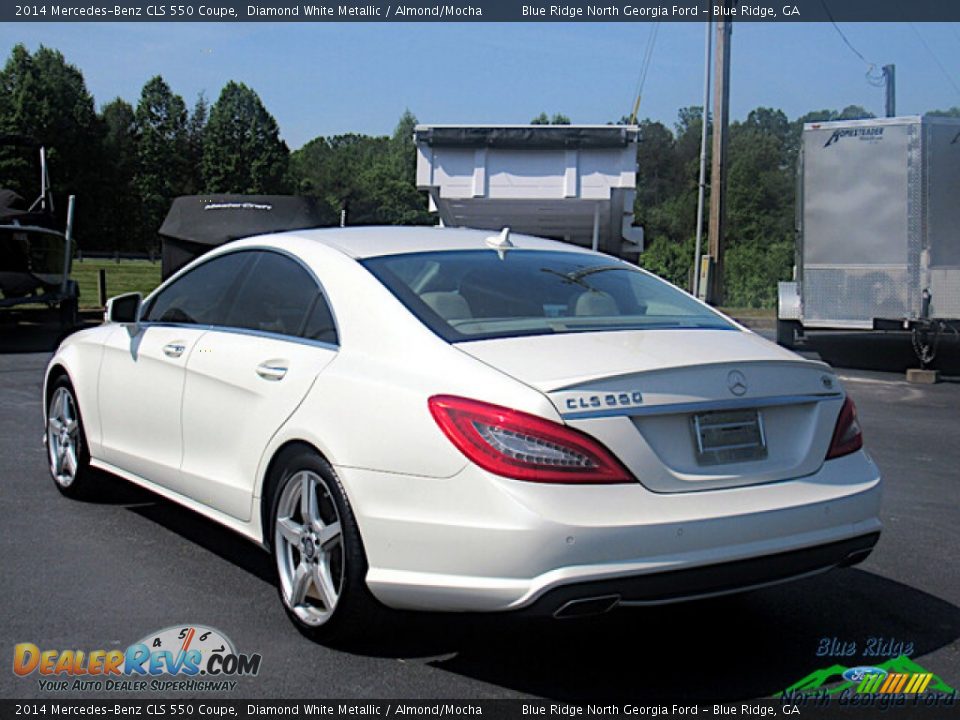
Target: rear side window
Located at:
point(202, 296)
point(320, 325)
point(276, 297)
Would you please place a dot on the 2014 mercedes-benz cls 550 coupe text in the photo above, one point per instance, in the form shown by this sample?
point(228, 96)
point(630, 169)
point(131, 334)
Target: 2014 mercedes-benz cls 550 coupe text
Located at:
point(445, 420)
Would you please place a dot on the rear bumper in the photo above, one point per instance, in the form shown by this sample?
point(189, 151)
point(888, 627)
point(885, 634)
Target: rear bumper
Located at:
point(675, 586)
point(479, 543)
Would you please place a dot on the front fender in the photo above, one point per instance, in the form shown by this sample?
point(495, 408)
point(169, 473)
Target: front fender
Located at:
point(79, 357)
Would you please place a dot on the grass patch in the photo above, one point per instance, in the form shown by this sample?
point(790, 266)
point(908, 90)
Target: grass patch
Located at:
point(122, 277)
point(750, 313)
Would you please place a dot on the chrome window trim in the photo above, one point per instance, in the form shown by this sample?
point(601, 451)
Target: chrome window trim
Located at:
point(705, 405)
point(245, 331)
point(226, 328)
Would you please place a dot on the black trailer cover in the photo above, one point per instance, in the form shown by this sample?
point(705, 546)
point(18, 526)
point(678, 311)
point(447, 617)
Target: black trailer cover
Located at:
point(13, 212)
point(11, 205)
point(198, 223)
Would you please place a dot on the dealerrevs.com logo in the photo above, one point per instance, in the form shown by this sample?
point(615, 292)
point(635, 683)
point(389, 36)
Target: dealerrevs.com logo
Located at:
point(181, 657)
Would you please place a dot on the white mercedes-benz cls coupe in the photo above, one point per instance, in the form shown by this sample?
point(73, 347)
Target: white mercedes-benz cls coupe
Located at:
point(449, 420)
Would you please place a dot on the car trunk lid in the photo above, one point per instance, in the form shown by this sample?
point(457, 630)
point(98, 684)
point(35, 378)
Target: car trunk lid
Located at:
point(684, 410)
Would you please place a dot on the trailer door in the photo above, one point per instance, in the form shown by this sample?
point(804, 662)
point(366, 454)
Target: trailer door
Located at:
point(856, 228)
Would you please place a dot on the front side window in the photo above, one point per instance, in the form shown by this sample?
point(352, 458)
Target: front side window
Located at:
point(202, 296)
point(248, 290)
point(476, 294)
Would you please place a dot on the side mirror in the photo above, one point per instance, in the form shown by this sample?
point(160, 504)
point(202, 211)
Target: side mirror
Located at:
point(123, 308)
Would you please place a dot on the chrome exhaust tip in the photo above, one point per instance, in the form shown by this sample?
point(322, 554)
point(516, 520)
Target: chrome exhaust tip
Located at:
point(586, 607)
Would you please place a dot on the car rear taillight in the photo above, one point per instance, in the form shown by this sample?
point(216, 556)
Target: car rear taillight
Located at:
point(522, 446)
point(847, 436)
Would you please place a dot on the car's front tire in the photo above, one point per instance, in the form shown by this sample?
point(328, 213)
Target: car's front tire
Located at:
point(68, 456)
point(316, 544)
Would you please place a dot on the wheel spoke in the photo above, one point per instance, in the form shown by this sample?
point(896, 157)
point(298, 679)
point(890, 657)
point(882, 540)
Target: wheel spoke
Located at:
point(55, 424)
point(324, 584)
point(72, 427)
point(300, 585)
point(289, 530)
point(70, 461)
point(308, 500)
point(329, 536)
point(57, 409)
point(61, 455)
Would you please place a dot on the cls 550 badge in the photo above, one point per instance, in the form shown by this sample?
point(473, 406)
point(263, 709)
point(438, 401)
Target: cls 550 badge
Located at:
point(604, 400)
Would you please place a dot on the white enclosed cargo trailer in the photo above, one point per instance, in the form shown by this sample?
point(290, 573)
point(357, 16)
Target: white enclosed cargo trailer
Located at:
point(878, 228)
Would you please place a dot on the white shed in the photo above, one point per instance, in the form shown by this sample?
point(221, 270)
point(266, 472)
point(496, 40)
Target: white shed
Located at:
point(575, 183)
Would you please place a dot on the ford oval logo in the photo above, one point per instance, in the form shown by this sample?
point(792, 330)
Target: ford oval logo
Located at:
point(737, 382)
point(856, 674)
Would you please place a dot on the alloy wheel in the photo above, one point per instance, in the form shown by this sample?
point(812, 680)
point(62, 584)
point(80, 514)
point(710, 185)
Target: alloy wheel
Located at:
point(63, 433)
point(308, 548)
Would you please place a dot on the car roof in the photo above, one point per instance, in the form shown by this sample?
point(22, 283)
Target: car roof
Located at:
point(372, 241)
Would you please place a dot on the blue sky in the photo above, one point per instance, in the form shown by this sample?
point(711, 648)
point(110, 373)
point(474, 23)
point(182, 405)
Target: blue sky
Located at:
point(323, 79)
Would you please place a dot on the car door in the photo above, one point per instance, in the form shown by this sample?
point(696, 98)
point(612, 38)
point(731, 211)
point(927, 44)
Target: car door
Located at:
point(143, 370)
point(244, 380)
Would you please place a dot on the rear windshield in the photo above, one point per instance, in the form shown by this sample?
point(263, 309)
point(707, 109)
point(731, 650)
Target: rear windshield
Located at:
point(476, 294)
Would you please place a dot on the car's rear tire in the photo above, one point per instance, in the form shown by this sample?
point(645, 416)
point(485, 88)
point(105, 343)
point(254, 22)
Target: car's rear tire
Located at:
point(68, 455)
point(319, 556)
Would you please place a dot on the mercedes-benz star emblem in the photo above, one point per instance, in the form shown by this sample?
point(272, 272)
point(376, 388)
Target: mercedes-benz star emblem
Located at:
point(737, 382)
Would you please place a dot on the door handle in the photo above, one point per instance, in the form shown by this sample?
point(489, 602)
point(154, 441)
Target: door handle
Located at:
point(272, 370)
point(174, 349)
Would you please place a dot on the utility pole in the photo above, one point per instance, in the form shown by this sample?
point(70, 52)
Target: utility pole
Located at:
point(718, 171)
point(702, 182)
point(890, 95)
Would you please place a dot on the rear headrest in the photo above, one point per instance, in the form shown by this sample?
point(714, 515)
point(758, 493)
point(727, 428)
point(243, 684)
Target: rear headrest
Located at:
point(595, 303)
point(448, 305)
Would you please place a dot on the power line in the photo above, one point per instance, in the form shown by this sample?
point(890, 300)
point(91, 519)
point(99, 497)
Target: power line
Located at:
point(946, 74)
point(644, 68)
point(873, 77)
point(844, 37)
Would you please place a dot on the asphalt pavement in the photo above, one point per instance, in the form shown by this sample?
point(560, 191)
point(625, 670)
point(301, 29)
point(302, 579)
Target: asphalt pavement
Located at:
point(103, 575)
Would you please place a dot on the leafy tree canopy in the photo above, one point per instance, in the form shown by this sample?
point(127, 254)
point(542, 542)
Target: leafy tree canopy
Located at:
point(556, 119)
point(242, 149)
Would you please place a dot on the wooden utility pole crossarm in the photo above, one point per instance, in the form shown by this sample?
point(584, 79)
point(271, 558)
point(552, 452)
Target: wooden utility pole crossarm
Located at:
point(718, 170)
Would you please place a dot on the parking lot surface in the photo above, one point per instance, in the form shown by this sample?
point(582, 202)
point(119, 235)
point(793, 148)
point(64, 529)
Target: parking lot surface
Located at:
point(103, 575)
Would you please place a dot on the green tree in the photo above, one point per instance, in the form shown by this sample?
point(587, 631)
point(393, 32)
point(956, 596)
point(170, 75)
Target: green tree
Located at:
point(759, 184)
point(855, 112)
point(162, 173)
point(45, 98)
point(120, 227)
point(242, 149)
point(336, 169)
point(372, 178)
point(670, 260)
point(404, 148)
point(752, 270)
point(556, 119)
point(196, 131)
